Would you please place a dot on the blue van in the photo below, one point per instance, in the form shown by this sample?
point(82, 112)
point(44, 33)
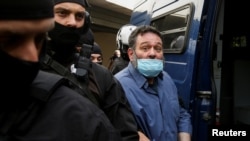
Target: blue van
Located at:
point(207, 53)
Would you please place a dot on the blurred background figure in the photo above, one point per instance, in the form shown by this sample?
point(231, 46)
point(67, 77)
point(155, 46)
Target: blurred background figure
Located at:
point(96, 54)
point(117, 53)
point(118, 63)
point(112, 59)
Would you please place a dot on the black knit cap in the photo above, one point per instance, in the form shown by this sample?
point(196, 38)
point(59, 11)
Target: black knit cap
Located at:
point(84, 3)
point(26, 9)
point(96, 49)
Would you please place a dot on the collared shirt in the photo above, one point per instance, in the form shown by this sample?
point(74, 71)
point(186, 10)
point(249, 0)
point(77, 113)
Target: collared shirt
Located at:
point(157, 112)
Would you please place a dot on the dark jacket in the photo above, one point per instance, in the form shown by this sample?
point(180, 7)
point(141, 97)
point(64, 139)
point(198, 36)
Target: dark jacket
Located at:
point(118, 64)
point(111, 98)
point(114, 103)
point(65, 116)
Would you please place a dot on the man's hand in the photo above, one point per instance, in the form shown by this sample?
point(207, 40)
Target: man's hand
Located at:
point(142, 136)
point(182, 136)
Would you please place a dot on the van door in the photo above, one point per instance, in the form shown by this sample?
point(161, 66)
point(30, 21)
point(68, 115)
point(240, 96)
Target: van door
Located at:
point(206, 50)
point(188, 27)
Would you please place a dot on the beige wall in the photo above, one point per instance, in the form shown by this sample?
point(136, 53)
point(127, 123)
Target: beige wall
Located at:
point(107, 41)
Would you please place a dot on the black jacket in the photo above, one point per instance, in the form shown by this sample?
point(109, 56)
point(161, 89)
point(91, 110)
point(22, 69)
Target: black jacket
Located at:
point(111, 98)
point(65, 116)
point(118, 65)
point(114, 103)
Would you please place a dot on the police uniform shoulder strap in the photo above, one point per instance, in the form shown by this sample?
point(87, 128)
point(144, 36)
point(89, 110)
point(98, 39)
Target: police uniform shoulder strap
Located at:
point(82, 81)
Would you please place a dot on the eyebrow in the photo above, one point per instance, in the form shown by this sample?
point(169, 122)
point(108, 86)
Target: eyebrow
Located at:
point(68, 10)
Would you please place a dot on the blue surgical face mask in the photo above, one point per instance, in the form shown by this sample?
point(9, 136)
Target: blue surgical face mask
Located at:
point(149, 67)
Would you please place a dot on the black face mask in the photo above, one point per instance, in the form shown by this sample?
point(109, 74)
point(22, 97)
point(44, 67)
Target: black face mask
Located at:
point(16, 73)
point(64, 35)
point(100, 63)
point(63, 41)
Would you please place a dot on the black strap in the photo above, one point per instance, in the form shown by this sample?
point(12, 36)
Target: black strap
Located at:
point(86, 50)
point(60, 69)
point(83, 65)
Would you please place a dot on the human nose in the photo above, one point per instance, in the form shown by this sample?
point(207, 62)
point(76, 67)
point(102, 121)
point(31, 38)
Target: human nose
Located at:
point(152, 52)
point(71, 21)
point(94, 60)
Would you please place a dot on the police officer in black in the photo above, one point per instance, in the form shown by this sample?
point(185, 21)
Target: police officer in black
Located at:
point(72, 21)
point(32, 106)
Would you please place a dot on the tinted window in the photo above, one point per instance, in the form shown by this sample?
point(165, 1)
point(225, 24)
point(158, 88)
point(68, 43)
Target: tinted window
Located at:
point(173, 27)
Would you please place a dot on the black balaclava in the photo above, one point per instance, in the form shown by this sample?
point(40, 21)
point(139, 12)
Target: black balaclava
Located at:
point(84, 3)
point(64, 38)
point(96, 49)
point(16, 73)
point(28, 9)
point(63, 42)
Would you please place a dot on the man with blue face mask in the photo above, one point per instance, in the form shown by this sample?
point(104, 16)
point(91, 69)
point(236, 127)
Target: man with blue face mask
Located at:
point(151, 91)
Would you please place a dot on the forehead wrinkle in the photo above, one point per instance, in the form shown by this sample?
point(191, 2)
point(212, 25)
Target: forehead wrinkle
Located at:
point(149, 38)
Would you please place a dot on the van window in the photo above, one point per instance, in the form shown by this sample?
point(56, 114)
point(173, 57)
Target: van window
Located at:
point(239, 41)
point(173, 26)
